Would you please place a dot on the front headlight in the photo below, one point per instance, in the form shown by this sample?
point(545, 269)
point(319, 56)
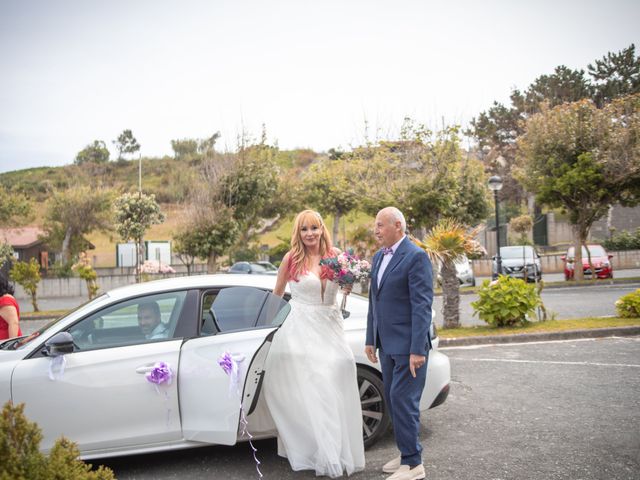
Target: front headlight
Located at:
point(606, 264)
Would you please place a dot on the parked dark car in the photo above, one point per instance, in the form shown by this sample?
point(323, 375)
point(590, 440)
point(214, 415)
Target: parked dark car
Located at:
point(519, 261)
point(600, 259)
point(257, 268)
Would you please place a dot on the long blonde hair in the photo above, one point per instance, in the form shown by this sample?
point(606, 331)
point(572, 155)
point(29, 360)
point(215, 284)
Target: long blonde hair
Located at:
point(298, 252)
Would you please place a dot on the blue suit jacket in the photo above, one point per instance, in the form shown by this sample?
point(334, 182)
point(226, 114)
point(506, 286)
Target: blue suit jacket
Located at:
point(399, 315)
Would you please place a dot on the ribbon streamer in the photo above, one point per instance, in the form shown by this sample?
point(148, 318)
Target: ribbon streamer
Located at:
point(159, 374)
point(57, 363)
point(232, 367)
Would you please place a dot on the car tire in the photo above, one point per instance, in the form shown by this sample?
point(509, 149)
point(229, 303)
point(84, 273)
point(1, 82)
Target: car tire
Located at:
point(375, 414)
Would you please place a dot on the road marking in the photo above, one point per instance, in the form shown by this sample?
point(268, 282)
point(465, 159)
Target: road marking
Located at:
point(516, 344)
point(546, 362)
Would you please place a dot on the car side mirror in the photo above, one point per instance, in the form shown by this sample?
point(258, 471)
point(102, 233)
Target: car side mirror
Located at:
point(60, 344)
point(610, 256)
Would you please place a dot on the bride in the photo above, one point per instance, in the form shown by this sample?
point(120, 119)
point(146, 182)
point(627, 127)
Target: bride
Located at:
point(311, 389)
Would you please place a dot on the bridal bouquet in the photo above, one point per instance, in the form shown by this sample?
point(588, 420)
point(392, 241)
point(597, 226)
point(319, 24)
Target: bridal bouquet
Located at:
point(346, 269)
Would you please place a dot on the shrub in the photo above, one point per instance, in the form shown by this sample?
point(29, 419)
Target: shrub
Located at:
point(27, 275)
point(21, 457)
point(629, 305)
point(506, 301)
point(623, 241)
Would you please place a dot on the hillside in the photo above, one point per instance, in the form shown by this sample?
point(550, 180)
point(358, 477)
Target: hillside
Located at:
point(167, 178)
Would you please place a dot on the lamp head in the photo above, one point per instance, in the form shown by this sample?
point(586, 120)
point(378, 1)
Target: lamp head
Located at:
point(495, 183)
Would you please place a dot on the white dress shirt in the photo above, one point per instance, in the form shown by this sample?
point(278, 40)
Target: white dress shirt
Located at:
point(387, 258)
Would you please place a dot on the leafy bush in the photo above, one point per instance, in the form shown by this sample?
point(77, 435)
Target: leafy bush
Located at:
point(62, 269)
point(27, 275)
point(623, 241)
point(629, 305)
point(21, 457)
point(506, 301)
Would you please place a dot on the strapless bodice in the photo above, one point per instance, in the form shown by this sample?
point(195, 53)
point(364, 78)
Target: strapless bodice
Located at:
point(308, 290)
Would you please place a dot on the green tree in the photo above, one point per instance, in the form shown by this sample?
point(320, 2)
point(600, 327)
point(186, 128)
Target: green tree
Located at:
point(93, 153)
point(615, 75)
point(126, 143)
point(522, 225)
point(74, 213)
point(208, 233)
point(86, 272)
point(27, 275)
point(15, 208)
point(134, 214)
point(583, 159)
point(426, 175)
point(185, 148)
point(329, 189)
point(21, 457)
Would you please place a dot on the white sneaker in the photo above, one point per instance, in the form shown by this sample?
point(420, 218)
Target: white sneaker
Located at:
point(405, 472)
point(392, 465)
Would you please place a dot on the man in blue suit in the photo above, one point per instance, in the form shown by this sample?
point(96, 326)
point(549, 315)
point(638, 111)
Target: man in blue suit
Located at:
point(398, 325)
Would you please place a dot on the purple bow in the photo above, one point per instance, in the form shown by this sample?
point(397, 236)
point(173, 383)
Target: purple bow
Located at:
point(160, 373)
point(387, 251)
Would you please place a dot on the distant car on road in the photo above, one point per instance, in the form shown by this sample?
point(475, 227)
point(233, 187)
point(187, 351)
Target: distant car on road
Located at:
point(464, 272)
point(600, 259)
point(256, 268)
point(519, 261)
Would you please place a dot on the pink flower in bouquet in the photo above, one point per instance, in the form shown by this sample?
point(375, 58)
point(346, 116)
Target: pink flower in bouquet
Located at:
point(346, 268)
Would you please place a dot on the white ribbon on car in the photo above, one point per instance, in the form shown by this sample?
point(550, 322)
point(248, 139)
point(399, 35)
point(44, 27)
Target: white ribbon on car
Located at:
point(56, 367)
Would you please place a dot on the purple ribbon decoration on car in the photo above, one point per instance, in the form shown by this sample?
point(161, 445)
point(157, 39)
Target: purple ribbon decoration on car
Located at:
point(232, 368)
point(159, 374)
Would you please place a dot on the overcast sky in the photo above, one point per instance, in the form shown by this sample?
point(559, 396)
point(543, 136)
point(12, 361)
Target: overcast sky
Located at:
point(72, 71)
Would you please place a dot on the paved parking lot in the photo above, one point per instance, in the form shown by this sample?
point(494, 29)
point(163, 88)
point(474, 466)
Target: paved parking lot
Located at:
point(535, 411)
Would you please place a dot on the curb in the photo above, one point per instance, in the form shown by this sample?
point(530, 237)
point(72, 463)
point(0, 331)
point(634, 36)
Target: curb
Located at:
point(541, 337)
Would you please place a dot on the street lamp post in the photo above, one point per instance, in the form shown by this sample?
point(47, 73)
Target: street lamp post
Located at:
point(495, 184)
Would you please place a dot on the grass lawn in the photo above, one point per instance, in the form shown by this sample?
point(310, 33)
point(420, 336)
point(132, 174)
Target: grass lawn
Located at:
point(538, 327)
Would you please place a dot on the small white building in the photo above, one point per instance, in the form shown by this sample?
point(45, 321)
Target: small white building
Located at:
point(159, 250)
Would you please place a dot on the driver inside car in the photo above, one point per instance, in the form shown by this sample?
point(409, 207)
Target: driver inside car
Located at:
point(149, 321)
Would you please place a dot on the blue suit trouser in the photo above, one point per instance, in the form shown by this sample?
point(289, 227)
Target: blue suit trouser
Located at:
point(402, 394)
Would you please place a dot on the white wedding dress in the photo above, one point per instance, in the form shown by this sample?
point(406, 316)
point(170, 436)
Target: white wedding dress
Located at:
point(311, 389)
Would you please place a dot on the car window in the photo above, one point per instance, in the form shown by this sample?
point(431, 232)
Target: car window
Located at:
point(240, 267)
point(144, 319)
point(596, 251)
point(240, 308)
point(256, 267)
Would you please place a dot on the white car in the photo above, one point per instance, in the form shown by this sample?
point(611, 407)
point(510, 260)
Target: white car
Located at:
point(84, 375)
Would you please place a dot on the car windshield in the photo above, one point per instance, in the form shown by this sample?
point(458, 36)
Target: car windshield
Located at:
point(19, 342)
point(269, 266)
point(516, 252)
point(256, 267)
point(596, 251)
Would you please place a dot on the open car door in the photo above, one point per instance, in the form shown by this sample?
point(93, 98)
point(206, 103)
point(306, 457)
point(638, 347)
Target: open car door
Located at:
point(245, 320)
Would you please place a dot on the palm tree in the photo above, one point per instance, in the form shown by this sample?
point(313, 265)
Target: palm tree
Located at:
point(447, 242)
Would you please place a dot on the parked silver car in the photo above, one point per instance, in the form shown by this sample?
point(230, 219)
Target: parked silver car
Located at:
point(519, 261)
point(464, 272)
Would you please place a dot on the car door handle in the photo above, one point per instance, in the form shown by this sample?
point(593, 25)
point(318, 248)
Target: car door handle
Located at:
point(238, 357)
point(144, 369)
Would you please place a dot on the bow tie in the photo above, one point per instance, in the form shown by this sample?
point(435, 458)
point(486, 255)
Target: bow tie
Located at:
point(387, 251)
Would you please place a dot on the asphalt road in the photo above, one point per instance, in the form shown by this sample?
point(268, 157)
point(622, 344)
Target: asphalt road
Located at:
point(536, 411)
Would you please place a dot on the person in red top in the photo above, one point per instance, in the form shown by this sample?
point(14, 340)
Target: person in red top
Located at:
point(9, 311)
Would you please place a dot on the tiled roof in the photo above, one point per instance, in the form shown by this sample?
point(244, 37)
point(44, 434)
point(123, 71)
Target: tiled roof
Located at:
point(23, 237)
